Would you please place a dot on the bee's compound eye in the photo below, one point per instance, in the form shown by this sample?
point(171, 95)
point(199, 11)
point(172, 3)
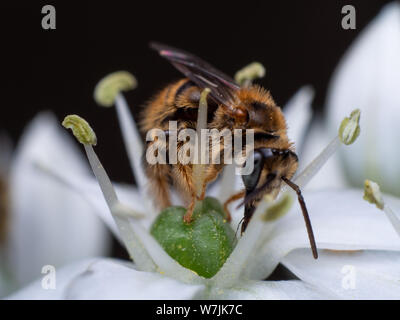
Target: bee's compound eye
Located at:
point(267, 152)
point(257, 157)
point(250, 181)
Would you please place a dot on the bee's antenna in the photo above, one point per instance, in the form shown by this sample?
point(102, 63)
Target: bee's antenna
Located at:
point(296, 188)
point(237, 229)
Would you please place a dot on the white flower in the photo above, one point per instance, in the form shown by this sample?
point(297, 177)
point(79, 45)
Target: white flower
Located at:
point(368, 78)
point(47, 223)
point(348, 232)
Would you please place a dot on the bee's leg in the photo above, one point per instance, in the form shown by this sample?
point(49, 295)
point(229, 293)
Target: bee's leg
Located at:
point(211, 175)
point(204, 186)
point(232, 198)
point(203, 191)
point(158, 175)
point(183, 179)
point(187, 218)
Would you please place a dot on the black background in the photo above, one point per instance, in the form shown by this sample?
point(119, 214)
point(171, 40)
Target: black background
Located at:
point(299, 43)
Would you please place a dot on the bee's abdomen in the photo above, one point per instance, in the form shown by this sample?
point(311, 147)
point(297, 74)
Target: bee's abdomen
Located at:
point(178, 101)
point(182, 86)
point(162, 105)
point(183, 97)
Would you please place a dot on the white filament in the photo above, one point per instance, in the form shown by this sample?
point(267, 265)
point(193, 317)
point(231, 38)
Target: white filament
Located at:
point(312, 169)
point(393, 218)
point(134, 246)
point(133, 145)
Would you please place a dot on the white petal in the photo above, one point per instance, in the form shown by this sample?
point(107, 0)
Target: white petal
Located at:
point(350, 275)
point(268, 290)
point(64, 276)
point(107, 279)
point(341, 220)
point(7, 284)
point(298, 114)
point(367, 78)
point(50, 224)
point(331, 174)
point(87, 187)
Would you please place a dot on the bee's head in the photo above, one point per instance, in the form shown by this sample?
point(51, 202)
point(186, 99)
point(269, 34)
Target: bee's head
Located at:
point(270, 166)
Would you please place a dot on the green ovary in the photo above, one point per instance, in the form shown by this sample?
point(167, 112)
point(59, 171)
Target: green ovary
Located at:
point(203, 245)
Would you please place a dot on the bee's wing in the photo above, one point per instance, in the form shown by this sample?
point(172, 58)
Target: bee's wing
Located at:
point(200, 72)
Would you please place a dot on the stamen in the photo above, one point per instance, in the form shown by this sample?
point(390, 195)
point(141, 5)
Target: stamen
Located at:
point(372, 194)
point(348, 133)
point(198, 167)
point(81, 129)
point(85, 134)
point(110, 88)
point(143, 249)
point(350, 128)
point(314, 166)
point(133, 245)
point(132, 140)
point(245, 76)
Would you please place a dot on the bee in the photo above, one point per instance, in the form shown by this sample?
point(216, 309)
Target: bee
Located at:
point(230, 106)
